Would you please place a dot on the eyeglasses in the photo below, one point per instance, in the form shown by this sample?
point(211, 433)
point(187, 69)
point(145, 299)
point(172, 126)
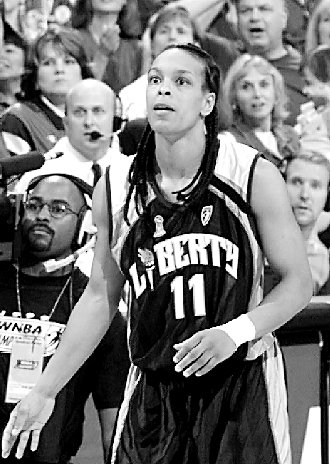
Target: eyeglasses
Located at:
point(57, 209)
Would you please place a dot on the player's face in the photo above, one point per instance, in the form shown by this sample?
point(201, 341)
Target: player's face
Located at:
point(261, 24)
point(174, 31)
point(307, 185)
point(324, 27)
point(46, 236)
point(176, 101)
point(255, 97)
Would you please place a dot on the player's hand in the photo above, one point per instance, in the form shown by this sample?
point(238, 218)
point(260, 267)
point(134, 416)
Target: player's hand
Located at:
point(203, 351)
point(27, 418)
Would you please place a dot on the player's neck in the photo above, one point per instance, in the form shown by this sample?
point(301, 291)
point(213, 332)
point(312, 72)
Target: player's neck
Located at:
point(181, 158)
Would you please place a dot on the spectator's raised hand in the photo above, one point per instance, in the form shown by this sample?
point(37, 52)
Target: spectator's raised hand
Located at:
point(110, 39)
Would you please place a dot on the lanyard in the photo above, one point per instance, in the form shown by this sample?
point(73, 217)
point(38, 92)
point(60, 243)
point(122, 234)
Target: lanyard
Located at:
point(18, 295)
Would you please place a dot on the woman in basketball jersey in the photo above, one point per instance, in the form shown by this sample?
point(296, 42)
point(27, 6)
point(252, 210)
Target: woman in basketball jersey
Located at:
point(188, 232)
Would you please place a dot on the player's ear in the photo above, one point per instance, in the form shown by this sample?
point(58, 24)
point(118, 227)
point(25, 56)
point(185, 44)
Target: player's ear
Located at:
point(208, 104)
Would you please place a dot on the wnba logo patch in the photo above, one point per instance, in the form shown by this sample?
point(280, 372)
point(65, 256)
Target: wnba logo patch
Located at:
point(206, 214)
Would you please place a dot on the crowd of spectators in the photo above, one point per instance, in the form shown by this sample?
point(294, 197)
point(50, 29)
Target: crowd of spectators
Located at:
point(73, 78)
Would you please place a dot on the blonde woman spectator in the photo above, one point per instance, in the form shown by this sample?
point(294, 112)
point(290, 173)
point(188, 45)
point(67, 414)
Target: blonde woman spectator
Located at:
point(255, 94)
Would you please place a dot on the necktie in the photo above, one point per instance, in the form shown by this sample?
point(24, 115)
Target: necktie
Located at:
point(96, 172)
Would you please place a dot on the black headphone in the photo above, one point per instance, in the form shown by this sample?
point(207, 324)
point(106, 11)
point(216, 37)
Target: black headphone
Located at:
point(84, 226)
point(118, 119)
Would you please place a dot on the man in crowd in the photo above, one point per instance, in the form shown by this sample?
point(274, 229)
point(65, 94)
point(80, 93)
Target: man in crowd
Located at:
point(35, 301)
point(307, 176)
point(89, 144)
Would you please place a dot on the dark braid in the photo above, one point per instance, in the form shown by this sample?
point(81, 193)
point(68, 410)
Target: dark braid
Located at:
point(142, 166)
point(138, 173)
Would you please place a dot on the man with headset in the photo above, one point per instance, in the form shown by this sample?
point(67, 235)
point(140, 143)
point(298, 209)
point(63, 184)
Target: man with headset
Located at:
point(34, 308)
point(89, 145)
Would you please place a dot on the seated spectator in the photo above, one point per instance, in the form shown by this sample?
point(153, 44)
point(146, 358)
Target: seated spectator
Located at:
point(31, 297)
point(307, 176)
point(12, 62)
point(55, 64)
point(116, 56)
point(255, 93)
point(261, 25)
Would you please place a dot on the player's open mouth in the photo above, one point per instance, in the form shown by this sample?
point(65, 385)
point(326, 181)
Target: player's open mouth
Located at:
point(163, 107)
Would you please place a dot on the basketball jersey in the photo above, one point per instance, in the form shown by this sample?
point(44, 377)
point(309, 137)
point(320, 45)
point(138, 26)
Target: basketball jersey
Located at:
point(190, 267)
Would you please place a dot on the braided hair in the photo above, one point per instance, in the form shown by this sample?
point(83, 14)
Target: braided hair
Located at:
point(142, 167)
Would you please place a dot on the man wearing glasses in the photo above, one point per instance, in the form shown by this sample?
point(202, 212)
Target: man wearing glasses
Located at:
point(31, 298)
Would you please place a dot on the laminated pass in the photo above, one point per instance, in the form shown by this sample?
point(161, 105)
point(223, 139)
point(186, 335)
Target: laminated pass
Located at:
point(27, 341)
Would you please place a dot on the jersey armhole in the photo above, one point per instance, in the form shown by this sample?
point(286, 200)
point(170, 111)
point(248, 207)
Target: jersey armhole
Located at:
point(108, 194)
point(250, 179)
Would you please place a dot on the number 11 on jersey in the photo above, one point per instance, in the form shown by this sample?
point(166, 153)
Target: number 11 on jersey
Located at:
point(196, 285)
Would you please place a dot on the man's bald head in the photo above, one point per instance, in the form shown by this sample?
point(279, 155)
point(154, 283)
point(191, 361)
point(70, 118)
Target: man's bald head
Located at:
point(90, 86)
point(90, 108)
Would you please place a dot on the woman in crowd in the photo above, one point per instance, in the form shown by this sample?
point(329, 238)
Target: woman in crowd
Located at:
point(188, 231)
point(12, 65)
point(255, 94)
point(110, 32)
point(318, 29)
point(56, 62)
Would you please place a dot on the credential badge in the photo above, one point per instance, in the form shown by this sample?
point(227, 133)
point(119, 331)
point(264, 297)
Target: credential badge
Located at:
point(206, 214)
point(159, 223)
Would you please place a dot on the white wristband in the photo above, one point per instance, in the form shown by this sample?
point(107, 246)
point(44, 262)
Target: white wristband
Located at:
point(240, 330)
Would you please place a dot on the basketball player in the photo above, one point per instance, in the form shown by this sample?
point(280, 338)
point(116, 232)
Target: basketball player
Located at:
point(187, 231)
